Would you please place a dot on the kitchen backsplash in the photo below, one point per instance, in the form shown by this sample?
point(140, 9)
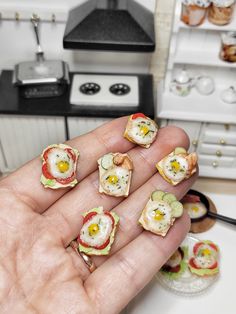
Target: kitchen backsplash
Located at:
point(18, 41)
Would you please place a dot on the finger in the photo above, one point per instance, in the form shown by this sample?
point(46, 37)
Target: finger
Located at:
point(129, 229)
point(66, 213)
point(132, 268)
point(25, 182)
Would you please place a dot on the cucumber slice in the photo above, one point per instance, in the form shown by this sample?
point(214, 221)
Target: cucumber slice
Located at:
point(157, 195)
point(169, 198)
point(107, 161)
point(180, 150)
point(177, 209)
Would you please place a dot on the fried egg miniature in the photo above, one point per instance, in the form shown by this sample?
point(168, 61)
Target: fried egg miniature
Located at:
point(98, 231)
point(160, 212)
point(195, 210)
point(59, 166)
point(177, 166)
point(141, 130)
point(115, 171)
point(205, 259)
point(176, 264)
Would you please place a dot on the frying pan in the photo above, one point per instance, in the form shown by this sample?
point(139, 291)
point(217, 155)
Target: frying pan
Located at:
point(208, 213)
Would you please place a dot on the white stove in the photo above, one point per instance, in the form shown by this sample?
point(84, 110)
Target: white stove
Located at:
point(105, 90)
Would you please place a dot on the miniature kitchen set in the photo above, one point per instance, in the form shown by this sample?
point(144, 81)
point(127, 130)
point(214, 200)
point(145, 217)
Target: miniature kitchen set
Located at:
point(56, 96)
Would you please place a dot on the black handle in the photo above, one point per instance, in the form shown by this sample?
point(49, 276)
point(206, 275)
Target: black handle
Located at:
point(223, 218)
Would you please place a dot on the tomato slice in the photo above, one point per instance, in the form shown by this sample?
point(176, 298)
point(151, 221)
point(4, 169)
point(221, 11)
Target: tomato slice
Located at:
point(45, 154)
point(213, 246)
point(89, 216)
point(215, 265)
point(170, 269)
point(196, 247)
point(190, 198)
point(138, 115)
point(112, 218)
point(46, 172)
point(66, 180)
point(103, 246)
point(71, 153)
point(192, 264)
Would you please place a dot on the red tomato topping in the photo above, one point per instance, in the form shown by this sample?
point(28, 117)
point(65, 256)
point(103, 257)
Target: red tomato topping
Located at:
point(89, 216)
point(192, 264)
point(137, 115)
point(71, 153)
point(66, 180)
point(46, 173)
point(190, 198)
point(112, 218)
point(45, 154)
point(101, 247)
point(196, 247)
point(81, 242)
point(175, 269)
point(213, 246)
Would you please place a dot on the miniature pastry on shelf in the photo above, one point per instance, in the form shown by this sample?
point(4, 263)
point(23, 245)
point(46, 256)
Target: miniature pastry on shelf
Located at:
point(176, 264)
point(98, 231)
point(141, 130)
point(221, 12)
point(205, 259)
point(177, 166)
point(194, 11)
point(160, 212)
point(115, 171)
point(59, 166)
point(228, 47)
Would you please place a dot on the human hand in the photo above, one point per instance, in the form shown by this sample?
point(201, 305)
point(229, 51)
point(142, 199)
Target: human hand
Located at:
point(39, 273)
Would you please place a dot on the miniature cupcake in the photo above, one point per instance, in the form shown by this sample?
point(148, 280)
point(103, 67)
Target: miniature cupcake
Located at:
point(221, 12)
point(194, 11)
point(228, 49)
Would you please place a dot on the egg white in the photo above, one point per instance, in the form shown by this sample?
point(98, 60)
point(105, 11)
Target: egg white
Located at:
point(105, 228)
point(205, 261)
point(56, 155)
point(172, 174)
point(121, 186)
point(195, 214)
point(135, 133)
point(175, 259)
point(149, 214)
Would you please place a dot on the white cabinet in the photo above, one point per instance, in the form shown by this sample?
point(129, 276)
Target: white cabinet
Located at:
point(191, 128)
point(24, 137)
point(81, 125)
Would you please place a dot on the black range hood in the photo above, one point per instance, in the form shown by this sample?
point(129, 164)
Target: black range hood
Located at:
point(114, 25)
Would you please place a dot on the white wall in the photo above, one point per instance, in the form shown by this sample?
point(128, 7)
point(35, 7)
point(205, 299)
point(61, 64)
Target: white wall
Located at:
point(17, 42)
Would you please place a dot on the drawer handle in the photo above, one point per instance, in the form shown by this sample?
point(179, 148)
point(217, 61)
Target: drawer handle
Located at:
point(218, 153)
point(222, 141)
point(195, 143)
point(215, 164)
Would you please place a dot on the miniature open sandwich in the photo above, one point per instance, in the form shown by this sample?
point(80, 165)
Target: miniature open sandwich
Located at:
point(115, 171)
point(98, 232)
point(59, 166)
point(176, 264)
point(177, 166)
point(141, 130)
point(205, 259)
point(160, 212)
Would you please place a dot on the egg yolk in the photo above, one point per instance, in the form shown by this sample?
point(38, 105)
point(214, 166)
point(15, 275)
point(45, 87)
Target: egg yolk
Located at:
point(113, 179)
point(195, 209)
point(63, 166)
point(144, 129)
point(175, 165)
point(159, 215)
point(206, 252)
point(93, 229)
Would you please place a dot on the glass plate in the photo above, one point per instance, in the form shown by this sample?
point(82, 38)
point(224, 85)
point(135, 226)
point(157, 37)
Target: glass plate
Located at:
point(187, 284)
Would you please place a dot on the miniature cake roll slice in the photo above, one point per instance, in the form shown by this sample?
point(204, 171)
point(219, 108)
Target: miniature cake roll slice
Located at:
point(176, 264)
point(98, 231)
point(205, 259)
point(177, 166)
point(160, 212)
point(59, 166)
point(141, 130)
point(115, 171)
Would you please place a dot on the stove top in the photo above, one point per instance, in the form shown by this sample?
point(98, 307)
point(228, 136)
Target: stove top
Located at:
point(104, 90)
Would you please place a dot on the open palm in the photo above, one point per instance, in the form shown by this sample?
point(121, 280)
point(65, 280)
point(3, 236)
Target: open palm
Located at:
point(39, 273)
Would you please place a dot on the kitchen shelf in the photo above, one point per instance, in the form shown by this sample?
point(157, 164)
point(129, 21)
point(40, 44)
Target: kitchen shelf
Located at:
point(206, 24)
point(195, 107)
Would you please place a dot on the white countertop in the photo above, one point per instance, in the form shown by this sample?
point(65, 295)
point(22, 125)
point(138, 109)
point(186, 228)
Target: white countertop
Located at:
point(220, 297)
